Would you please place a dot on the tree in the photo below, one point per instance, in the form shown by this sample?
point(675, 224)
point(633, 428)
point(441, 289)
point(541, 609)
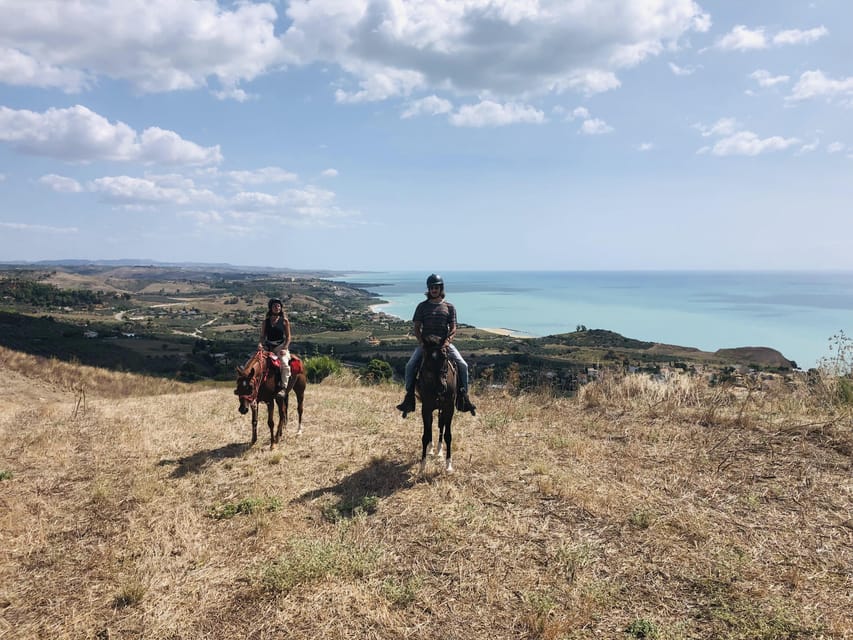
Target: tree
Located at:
point(376, 371)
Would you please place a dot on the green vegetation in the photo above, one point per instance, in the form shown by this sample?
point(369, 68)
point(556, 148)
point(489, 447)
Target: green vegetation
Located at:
point(318, 368)
point(30, 292)
point(377, 371)
point(308, 561)
point(246, 506)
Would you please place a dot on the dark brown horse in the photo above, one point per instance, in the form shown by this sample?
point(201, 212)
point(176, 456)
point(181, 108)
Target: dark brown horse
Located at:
point(256, 383)
point(436, 389)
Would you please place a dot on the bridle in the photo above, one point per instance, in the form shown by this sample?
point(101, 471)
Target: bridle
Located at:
point(257, 377)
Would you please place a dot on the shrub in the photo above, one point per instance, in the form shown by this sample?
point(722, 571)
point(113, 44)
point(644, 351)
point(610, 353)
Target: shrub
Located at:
point(318, 368)
point(376, 371)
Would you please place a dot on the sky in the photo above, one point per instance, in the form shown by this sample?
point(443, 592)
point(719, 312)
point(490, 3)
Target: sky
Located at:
point(429, 134)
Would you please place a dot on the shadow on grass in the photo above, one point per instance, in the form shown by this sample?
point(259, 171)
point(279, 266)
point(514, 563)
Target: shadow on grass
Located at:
point(197, 462)
point(360, 492)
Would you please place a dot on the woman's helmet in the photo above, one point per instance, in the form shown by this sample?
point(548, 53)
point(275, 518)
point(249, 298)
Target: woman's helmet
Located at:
point(435, 279)
point(274, 301)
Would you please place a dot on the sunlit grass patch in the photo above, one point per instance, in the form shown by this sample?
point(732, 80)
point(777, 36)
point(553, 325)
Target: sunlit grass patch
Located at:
point(227, 510)
point(310, 561)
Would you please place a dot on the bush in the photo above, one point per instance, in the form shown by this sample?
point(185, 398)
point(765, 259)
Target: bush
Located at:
point(377, 371)
point(318, 368)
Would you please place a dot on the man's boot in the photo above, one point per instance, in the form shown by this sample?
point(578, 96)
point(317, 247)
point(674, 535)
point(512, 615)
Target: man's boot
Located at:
point(408, 403)
point(463, 402)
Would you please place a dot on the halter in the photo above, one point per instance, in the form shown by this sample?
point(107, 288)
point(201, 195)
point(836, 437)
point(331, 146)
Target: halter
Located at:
point(257, 378)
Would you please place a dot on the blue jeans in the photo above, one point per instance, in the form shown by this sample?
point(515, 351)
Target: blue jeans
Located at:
point(415, 362)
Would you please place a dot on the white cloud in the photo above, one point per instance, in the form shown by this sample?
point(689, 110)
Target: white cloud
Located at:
point(77, 134)
point(156, 45)
point(381, 85)
point(765, 79)
point(746, 143)
point(330, 173)
point(493, 114)
point(493, 49)
point(798, 36)
point(38, 228)
point(815, 84)
point(594, 126)
point(306, 206)
point(645, 146)
point(266, 175)
point(835, 147)
point(429, 106)
point(742, 38)
point(735, 141)
point(808, 148)
point(20, 69)
point(127, 190)
point(681, 71)
point(722, 127)
point(61, 184)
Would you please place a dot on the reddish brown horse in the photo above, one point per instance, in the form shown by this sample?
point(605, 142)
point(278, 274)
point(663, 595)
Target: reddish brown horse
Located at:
point(256, 383)
point(436, 389)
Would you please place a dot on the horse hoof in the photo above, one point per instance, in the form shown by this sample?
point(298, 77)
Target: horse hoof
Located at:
point(441, 449)
point(449, 467)
point(299, 431)
point(423, 465)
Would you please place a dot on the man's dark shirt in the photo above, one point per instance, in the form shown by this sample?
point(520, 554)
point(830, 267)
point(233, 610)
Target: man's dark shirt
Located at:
point(435, 319)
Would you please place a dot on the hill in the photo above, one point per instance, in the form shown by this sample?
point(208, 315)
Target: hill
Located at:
point(638, 509)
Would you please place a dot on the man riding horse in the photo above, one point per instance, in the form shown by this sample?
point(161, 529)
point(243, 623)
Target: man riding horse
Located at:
point(436, 317)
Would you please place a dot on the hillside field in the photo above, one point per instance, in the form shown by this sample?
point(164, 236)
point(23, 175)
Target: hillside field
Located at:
point(133, 507)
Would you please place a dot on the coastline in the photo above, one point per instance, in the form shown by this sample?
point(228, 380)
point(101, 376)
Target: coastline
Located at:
point(500, 331)
point(509, 333)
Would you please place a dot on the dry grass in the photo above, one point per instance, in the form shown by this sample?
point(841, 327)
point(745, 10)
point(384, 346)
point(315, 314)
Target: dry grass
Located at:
point(636, 510)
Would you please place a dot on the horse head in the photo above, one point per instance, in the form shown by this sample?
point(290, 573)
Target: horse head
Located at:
point(249, 380)
point(435, 361)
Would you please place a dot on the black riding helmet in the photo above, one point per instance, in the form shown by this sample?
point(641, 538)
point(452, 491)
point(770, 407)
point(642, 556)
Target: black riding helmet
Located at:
point(274, 301)
point(435, 279)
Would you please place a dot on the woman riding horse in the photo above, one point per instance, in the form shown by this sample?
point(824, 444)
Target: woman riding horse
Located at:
point(275, 337)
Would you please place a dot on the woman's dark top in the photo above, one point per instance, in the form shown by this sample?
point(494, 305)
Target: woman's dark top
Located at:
point(274, 329)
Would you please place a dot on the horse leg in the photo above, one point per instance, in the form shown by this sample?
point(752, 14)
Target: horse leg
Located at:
point(426, 438)
point(300, 400)
point(271, 424)
point(254, 422)
point(447, 418)
point(282, 418)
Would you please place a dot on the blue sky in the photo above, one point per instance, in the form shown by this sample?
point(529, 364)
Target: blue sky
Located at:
point(463, 134)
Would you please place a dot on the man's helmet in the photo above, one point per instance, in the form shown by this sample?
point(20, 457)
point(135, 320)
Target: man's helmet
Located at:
point(435, 279)
point(272, 302)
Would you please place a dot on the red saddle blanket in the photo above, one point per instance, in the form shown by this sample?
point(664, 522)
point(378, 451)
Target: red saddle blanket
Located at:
point(295, 365)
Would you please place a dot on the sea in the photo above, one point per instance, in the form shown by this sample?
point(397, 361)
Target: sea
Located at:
point(798, 313)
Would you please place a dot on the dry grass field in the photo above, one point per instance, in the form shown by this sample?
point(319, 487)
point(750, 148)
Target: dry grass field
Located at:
point(134, 508)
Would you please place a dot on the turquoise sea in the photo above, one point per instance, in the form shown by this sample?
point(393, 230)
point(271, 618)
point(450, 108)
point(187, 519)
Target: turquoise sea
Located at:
point(794, 312)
